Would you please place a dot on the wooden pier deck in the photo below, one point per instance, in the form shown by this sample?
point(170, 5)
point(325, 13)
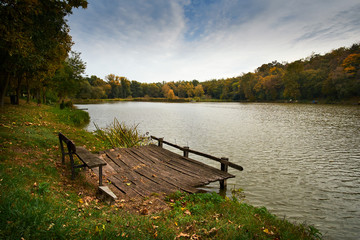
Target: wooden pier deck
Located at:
point(142, 171)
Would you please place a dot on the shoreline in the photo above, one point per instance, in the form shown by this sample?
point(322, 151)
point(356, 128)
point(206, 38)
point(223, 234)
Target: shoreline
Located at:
point(191, 100)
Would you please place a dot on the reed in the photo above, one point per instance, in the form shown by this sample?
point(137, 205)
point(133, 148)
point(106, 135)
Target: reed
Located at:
point(118, 134)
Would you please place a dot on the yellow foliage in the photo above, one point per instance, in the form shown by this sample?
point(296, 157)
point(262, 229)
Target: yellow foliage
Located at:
point(352, 63)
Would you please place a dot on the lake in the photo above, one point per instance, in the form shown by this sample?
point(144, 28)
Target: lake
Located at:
point(300, 161)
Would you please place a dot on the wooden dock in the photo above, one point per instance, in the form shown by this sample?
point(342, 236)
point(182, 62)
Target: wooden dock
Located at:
point(142, 171)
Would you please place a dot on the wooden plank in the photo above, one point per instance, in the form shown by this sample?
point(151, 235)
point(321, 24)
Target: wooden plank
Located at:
point(166, 181)
point(183, 173)
point(91, 160)
point(123, 187)
point(165, 176)
point(114, 155)
point(132, 181)
point(106, 190)
point(110, 162)
point(191, 166)
point(136, 181)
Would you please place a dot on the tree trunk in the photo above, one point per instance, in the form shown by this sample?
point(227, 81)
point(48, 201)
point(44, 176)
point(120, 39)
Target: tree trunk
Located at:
point(18, 88)
point(44, 94)
point(28, 90)
point(38, 95)
point(4, 81)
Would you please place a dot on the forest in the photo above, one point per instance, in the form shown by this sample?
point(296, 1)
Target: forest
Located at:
point(36, 63)
point(333, 76)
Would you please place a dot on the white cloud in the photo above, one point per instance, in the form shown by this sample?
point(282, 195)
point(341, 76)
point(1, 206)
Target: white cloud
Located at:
point(151, 41)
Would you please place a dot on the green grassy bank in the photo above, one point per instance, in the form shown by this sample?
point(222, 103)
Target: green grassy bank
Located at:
point(39, 200)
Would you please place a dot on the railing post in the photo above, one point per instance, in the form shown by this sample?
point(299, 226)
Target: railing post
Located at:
point(224, 168)
point(186, 151)
point(160, 143)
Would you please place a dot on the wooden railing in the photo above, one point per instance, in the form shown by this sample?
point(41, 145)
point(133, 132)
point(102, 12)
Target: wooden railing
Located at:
point(225, 163)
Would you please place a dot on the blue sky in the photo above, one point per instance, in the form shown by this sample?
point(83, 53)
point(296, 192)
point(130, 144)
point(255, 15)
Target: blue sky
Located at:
point(171, 40)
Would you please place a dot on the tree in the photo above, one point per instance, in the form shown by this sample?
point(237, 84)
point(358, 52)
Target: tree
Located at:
point(189, 90)
point(170, 94)
point(125, 87)
point(34, 39)
point(247, 84)
point(67, 79)
point(199, 91)
point(291, 80)
point(165, 90)
point(154, 90)
point(136, 89)
point(115, 88)
point(351, 64)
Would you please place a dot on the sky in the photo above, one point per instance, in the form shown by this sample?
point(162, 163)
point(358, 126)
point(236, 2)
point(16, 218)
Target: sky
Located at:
point(171, 40)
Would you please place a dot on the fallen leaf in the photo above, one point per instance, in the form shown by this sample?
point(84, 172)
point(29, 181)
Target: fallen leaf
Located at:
point(210, 232)
point(194, 237)
point(183, 235)
point(51, 225)
point(267, 231)
point(155, 217)
point(144, 211)
point(187, 212)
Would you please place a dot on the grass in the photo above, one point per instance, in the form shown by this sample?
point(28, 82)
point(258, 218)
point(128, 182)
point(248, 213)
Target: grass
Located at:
point(39, 201)
point(120, 135)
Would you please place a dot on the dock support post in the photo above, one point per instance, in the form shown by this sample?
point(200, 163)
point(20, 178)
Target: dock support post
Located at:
point(224, 168)
point(160, 143)
point(186, 151)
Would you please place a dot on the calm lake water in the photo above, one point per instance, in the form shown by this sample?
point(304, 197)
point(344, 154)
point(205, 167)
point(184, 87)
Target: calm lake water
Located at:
point(300, 161)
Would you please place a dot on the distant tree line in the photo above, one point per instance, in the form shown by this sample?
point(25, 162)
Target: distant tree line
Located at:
point(36, 62)
point(333, 76)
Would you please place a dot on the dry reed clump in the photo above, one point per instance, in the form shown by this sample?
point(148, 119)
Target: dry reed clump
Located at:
point(118, 134)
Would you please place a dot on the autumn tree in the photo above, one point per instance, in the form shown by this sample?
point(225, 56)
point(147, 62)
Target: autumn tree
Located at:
point(170, 94)
point(165, 90)
point(34, 38)
point(199, 91)
point(115, 87)
point(351, 65)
